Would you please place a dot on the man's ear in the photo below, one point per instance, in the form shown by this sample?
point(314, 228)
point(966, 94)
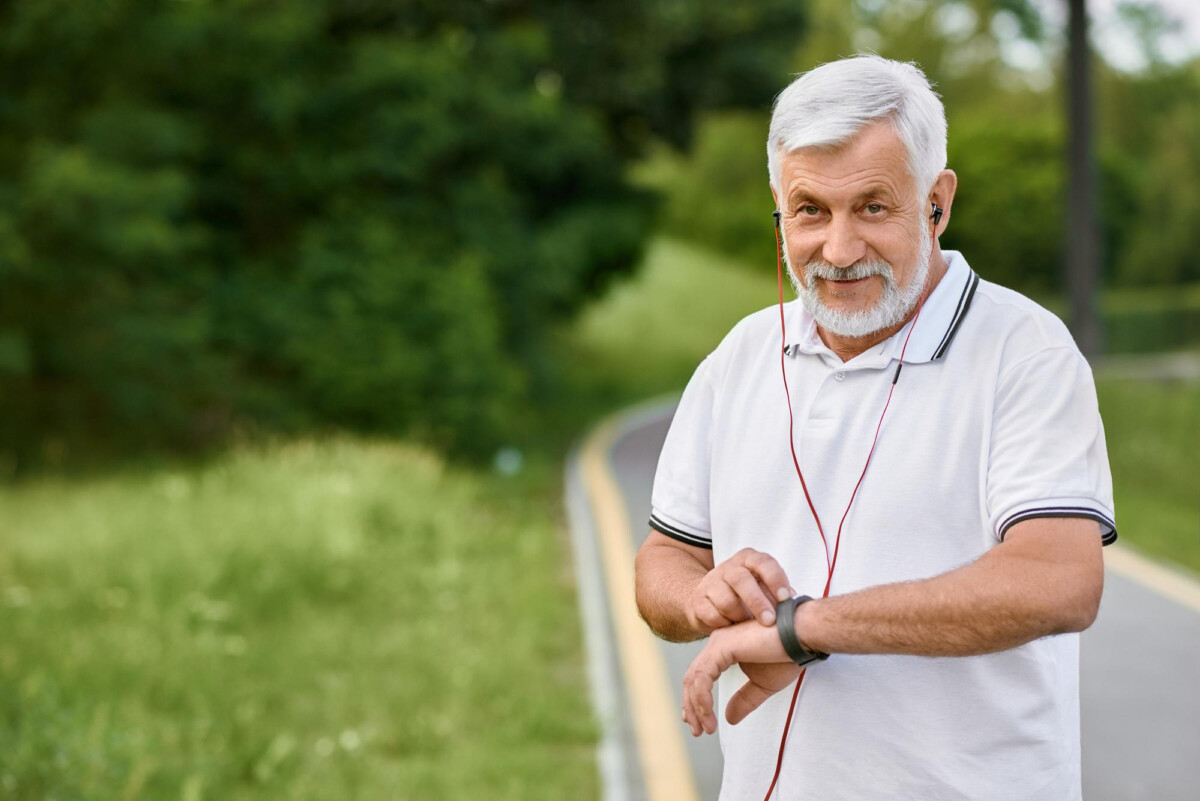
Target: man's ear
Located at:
point(942, 194)
point(775, 195)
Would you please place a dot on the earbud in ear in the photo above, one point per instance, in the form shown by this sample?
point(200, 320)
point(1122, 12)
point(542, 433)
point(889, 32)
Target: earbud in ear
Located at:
point(937, 214)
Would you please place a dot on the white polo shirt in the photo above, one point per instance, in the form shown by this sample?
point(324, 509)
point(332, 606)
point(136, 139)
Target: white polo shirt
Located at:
point(994, 420)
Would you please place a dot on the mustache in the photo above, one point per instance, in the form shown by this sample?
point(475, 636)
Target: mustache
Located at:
point(819, 268)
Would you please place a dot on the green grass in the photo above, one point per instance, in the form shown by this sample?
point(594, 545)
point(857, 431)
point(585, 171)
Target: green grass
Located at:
point(647, 337)
point(321, 620)
point(325, 619)
point(649, 333)
point(1154, 450)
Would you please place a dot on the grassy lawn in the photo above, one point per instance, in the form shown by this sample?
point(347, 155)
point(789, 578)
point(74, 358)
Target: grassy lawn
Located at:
point(1154, 450)
point(326, 619)
point(649, 333)
point(686, 299)
point(322, 620)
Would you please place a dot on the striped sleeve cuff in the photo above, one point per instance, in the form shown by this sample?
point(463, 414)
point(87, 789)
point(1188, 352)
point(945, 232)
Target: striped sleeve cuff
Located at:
point(675, 532)
point(1108, 527)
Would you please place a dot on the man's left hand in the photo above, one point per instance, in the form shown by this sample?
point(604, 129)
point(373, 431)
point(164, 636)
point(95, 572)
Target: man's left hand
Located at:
point(759, 652)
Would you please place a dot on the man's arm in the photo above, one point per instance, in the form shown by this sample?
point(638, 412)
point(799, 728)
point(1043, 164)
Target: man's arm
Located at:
point(684, 597)
point(667, 572)
point(1045, 578)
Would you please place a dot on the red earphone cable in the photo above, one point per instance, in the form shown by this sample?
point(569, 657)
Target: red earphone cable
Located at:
point(830, 564)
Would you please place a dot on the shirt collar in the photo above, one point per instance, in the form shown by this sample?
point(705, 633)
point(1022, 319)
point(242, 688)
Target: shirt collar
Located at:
point(939, 321)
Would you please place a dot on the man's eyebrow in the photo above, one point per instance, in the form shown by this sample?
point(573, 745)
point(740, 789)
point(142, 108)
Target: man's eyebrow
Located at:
point(875, 190)
point(801, 195)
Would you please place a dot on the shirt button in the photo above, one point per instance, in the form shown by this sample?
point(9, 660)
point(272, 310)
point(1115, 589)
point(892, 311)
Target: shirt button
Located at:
point(839, 375)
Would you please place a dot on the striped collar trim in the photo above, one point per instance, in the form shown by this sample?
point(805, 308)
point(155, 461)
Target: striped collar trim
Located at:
point(966, 282)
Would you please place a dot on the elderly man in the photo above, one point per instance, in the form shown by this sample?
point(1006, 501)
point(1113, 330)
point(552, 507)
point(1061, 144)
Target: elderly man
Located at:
point(953, 508)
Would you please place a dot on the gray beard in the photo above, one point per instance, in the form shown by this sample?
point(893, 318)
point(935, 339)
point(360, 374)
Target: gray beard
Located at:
point(894, 304)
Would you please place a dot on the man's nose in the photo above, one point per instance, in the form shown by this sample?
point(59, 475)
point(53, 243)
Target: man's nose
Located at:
point(843, 245)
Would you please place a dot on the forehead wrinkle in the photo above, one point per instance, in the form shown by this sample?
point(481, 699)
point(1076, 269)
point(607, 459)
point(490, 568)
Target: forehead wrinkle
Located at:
point(871, 182)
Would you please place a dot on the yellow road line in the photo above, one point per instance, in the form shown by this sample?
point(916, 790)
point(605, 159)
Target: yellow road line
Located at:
point(1164, 581)
point(656, 720)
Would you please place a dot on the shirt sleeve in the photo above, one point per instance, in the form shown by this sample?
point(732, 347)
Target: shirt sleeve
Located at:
point(679, 502)
point(1048, 457)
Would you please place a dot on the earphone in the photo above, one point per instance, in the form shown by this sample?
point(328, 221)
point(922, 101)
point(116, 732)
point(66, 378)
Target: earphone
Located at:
point(830, 563)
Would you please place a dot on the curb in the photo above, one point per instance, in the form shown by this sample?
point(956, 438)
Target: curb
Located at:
point(642, 753)
point(616, 756)
point(1170, 582)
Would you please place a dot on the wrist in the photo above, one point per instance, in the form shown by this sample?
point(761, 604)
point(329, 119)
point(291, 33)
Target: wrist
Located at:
point(787, 616)
point(807, 624)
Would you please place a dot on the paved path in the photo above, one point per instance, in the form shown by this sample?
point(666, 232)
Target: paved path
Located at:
point(1140, 661)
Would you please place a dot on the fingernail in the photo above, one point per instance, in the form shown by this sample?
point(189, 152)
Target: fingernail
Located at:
point(783, 594)
point(767, 618)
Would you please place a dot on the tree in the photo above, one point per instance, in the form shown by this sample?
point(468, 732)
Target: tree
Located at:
point(1083, 227)
point(363, 213)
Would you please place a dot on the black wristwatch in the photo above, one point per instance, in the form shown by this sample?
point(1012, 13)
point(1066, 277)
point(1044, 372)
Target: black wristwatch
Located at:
point(785, 623)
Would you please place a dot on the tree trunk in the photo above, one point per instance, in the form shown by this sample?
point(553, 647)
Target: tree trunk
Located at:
point(1083, 230)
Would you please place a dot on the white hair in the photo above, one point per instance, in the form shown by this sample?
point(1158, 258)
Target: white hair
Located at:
point(828, 105)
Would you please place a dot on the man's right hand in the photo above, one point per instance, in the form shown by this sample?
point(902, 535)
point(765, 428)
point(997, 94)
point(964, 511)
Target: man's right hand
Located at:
point(747, 584)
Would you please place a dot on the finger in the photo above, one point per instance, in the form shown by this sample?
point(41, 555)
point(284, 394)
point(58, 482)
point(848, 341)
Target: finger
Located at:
point(710, 616)
point(704, 703)
point(727, 602)
point(690, 707)
point(706, 669)
point(694, 690)
point(749, 698)
point(746, 585)
point(689, 713)
point(769, 572)
point(689, 718)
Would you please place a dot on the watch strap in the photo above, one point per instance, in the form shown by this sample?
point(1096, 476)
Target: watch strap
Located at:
point(785, 623)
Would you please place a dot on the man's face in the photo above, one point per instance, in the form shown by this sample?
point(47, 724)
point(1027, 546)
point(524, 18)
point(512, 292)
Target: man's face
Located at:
point(856, 237)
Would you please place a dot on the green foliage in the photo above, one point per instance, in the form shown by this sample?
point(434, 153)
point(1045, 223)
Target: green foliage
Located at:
point(718, 194)
point(1007, 144)
point(1153, 124)
point(222, 215)
point(1008, 213)
point(274, 625)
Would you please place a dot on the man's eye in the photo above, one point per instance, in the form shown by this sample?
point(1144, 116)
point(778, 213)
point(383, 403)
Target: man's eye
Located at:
point(874, 208)
point(809, 210)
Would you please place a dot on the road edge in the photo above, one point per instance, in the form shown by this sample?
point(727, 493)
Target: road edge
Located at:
point(1168, 581)
point(616, 759)
point(641, 752)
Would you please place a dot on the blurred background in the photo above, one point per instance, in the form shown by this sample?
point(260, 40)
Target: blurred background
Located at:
point(303, 303)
